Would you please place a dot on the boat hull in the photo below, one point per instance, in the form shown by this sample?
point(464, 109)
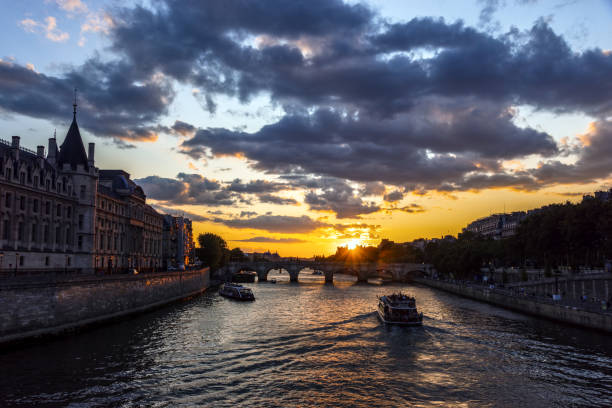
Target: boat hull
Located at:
point(398, 323)
point(236, 298)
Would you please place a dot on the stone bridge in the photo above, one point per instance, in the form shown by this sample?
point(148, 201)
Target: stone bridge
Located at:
point(397, 272)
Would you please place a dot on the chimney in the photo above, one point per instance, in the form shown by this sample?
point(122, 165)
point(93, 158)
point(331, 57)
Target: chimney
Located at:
point(90, 156)
point(40, 151)
point(15, 143)
point(52, 149)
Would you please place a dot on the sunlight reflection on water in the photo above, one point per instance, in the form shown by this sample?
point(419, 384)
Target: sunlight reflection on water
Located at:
point(311, 344)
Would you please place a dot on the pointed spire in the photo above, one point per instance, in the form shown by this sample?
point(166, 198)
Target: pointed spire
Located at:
point(72, 151)
point(74, 105)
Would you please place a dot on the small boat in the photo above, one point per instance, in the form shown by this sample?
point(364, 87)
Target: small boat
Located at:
point(399, 308)
point(272, 281)
point(317, 273)
point(235, 291)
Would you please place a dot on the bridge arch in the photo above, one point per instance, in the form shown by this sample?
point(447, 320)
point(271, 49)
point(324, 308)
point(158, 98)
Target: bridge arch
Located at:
point(363, 271)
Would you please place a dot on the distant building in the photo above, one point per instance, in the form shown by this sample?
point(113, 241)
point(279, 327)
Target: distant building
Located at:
point(603, 195)
point(496, 226)
point(179, 248)
point(267, 256)
point(61, 213)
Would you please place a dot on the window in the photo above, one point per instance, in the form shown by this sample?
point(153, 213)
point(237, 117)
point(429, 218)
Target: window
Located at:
point(6, 229)
point(34, 232)
point(35, 206)
point(35, 181)
point(58, 235)
point(83, 189)
point(7, 200)
point(22, 177)
point(47, 207)
point(8, 174)
point(46, 261)
point(20, 231)
point(58, 212)
point(80, 242)
point(47, 184)
point(22, 201)
point(80, 221)
point(68, 261)
point(68, 240)
point(21, 260)
point(69, 212)
point(46, 234)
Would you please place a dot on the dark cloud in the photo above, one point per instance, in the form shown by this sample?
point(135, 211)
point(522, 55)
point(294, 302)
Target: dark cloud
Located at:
point(272, 240)
point(186, 189)
point(273, 199)
point(160, 188)
point(339, 197)
point(183, 128)
point(276, 223)
point(425, 103)
point(593, 161)
point(394, 196)
point(113, 100)
point(255, 186)
point(178, 212)
point(439, 143)
point(410, 208)
point(320, 62)
point(489, 8)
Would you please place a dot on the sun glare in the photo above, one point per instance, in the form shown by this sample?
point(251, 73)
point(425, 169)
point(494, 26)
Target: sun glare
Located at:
point(352, 244)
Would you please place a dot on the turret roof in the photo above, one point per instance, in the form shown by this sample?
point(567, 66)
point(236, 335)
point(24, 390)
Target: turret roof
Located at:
point(72, 151)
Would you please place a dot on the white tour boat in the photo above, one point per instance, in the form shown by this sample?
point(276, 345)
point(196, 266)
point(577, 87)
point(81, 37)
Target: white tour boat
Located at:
point(235, 291)
point(399, 309)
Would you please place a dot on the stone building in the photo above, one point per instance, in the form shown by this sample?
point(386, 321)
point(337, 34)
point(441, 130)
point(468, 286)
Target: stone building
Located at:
point(60, 213)
point(496, 226)
point(129, 232)
point(178, 245)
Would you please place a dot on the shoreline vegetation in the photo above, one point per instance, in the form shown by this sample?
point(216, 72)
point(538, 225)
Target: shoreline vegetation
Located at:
point(552, 238)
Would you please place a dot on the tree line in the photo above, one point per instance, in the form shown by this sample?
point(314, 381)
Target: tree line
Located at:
point(569, 235)
point(213, 251)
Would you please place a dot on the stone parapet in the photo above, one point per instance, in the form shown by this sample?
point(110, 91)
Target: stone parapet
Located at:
point(558, 312)
point(34, 308)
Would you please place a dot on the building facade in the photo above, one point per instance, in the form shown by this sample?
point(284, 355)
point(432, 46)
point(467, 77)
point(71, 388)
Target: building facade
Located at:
point(496, 226)
point(61, 213)
point(178, 245)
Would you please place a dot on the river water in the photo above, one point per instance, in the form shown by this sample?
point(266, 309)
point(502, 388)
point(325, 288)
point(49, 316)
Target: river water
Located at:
point(311, 344)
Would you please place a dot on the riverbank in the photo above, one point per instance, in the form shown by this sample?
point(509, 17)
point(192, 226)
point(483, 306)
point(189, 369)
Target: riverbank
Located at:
point(32, 309)
point(565, 314)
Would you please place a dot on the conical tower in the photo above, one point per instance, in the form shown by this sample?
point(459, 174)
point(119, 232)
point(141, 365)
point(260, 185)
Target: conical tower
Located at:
point(75, 165)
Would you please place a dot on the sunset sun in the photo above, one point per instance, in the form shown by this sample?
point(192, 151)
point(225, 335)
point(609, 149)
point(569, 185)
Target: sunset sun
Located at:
point(353, 243)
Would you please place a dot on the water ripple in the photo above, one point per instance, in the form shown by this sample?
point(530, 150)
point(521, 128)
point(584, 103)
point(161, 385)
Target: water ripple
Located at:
point(315, 345)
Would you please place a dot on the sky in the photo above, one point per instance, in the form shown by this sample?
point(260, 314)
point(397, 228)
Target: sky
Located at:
point(300, 126)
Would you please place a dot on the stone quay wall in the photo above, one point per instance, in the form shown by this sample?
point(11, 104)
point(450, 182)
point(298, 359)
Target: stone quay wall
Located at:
point(52, 306)
point(558, 312)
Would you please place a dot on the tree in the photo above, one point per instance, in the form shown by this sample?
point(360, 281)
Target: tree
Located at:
point(237, 255)
point(212, 250)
